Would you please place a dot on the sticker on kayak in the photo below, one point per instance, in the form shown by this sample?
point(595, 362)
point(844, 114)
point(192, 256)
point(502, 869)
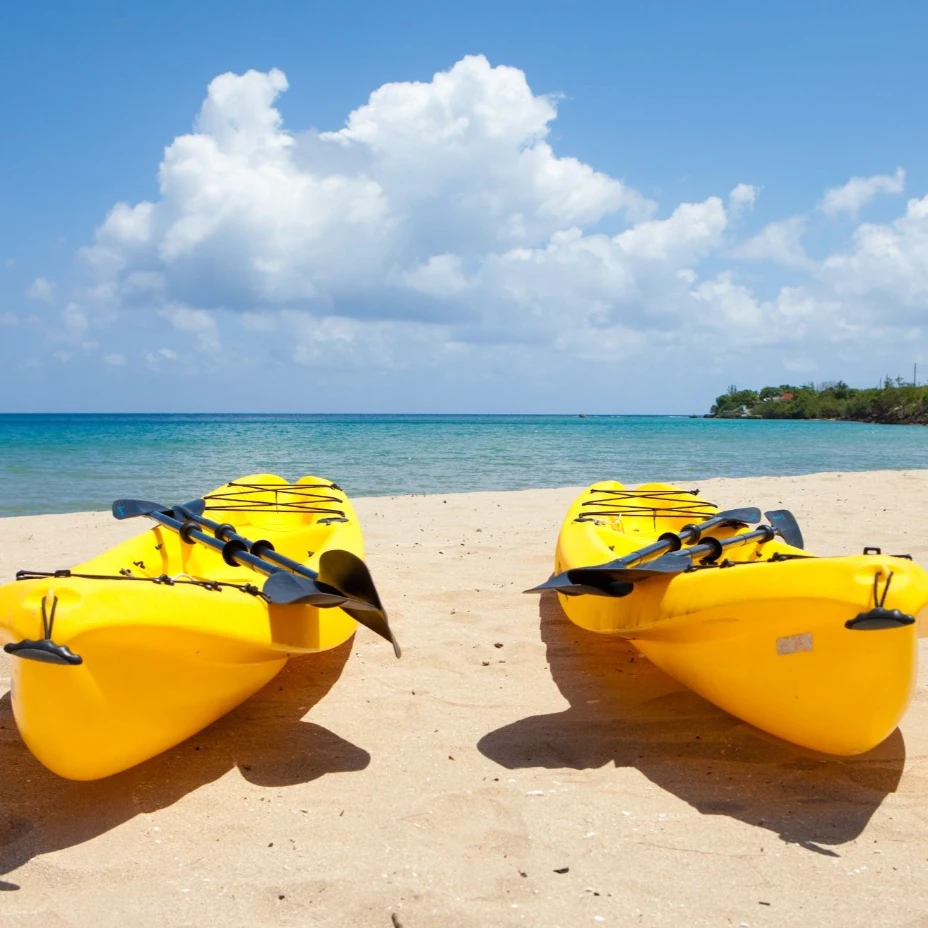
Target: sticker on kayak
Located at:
point(793, 644)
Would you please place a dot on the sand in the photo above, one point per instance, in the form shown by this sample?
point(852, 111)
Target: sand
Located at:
point(509, 770)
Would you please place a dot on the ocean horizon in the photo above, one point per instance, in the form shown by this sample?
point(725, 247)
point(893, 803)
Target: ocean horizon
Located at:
point(68, 462)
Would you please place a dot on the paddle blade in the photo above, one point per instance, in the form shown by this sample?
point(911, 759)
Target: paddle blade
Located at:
point(286, 589)
point(130, 508)
point(667, 565)
point(567, 585)
point(348, 574)
point(786, 525)
point(748, 516)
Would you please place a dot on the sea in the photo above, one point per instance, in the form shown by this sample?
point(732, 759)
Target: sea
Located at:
point(70, 463)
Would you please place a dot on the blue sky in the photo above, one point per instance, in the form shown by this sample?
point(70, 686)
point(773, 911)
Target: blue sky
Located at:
point(623, 209)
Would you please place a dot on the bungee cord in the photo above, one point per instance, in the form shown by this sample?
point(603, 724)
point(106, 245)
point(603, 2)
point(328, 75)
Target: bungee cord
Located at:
point(614, 502)
point(287, 497)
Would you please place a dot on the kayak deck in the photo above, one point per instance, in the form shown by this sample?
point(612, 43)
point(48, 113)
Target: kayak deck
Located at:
point(764, 633)
point(169, 635)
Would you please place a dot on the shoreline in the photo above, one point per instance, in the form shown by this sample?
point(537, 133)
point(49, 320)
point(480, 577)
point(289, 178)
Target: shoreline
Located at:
point(170, 459)
point(493, 775)
point(684, 483)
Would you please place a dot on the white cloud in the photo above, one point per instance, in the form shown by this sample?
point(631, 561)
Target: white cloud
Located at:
point(41, 290)
point(333, 341)
point(197, 321)
point(690, 232)
point(440, 276)
point(595, 281)
point(779, 242)
point(439, 222)
point(793, 315)
point(114, 359)
point(376, 220)
point(742, 199)
point(859, 191)
point(888, 264)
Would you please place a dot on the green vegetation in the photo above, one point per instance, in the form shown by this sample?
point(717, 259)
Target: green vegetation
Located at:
point(894, 402)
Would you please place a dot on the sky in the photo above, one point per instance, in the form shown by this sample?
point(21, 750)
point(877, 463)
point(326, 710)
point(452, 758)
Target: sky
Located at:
point(483, 207)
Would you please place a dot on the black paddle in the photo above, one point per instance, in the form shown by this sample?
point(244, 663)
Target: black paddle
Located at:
point(616, 580)
point(786, 525)
point(343, 579)
point(340, 572)
point(669, 541)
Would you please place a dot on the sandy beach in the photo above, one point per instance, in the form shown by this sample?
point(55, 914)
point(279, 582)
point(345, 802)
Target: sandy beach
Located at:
point(510, 769)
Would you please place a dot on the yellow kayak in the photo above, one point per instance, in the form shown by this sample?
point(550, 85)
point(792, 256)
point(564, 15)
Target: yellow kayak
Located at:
point(820, 651)
point(125, 655)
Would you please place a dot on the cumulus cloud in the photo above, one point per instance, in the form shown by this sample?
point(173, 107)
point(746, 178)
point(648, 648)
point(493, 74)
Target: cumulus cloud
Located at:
point(793, 316)
point(851, 198)
point(779, 242)
point(440, 276)
point(432, 194)
point(888, 263)
point(439, 222)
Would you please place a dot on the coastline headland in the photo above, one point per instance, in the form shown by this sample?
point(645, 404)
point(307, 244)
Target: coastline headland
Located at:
point(895, 402)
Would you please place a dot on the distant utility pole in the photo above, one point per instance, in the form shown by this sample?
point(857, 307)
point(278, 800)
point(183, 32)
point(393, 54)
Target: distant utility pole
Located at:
point(915, 374)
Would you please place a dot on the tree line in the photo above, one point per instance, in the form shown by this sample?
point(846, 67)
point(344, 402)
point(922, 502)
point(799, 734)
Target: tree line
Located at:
point(895, 401)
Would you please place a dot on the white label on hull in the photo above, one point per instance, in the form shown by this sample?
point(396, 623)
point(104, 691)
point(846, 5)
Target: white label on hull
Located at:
point(793, 644)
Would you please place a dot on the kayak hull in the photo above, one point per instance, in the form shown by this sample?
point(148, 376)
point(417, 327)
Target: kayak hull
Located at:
point(160, 661)
point(765, 640)
point(115, 711)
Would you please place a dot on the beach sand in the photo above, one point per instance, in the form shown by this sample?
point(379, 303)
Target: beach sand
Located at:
point(511, 769)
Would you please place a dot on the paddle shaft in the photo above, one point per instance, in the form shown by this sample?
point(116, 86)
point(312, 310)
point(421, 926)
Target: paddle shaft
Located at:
point(224, 532)
point(672, 541)
point(668, 565)
point(234, 551)
point(714, 547)
point(323, 592)
point(343, 579)
point(608, 579)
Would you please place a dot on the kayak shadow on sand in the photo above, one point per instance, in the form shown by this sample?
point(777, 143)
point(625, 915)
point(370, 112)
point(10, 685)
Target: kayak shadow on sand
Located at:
point(625, 711)
point(264, 738)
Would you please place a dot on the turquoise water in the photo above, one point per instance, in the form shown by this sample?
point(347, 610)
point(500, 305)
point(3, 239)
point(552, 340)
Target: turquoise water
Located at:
point(66, 463)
